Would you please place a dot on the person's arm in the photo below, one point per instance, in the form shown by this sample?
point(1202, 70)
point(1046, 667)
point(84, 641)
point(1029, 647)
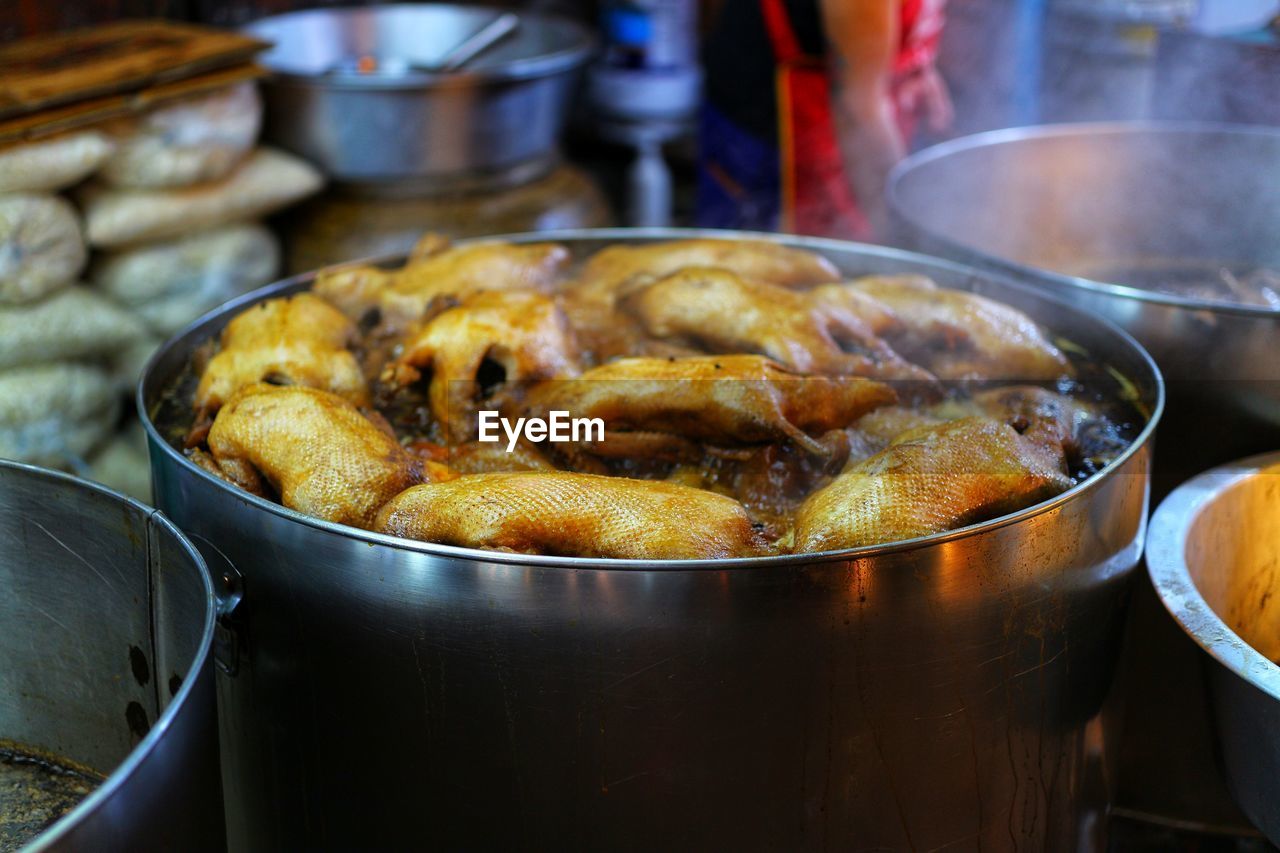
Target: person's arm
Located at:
point(863, 36)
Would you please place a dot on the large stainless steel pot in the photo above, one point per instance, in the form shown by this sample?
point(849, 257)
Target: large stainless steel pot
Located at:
point(1076, 208)
point(105, 660)
point(1214, 555)
point(1060, 207)
point(504, 111)
point(939, 692)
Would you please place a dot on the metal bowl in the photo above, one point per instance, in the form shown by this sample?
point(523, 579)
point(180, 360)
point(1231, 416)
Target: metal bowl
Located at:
point(945, 690)
point(105, 663)
point(1214, 557)
point(503, 112)
point(1076, 208)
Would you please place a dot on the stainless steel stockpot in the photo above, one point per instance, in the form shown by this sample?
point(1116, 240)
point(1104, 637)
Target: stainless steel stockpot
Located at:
point(1085, 210)
point(503, 111)
point(1213, 557)
point(106, 624)
point(941, 691)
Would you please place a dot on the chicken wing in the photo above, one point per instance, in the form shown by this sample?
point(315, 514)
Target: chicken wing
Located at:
point(299, 340)
point(929, 480)
point(575, 515)
point(312, 448)
point(801, 330)
point(723, 400)
point(522, 332)
point(435, 277)
point(961, 335)
point(610, 274)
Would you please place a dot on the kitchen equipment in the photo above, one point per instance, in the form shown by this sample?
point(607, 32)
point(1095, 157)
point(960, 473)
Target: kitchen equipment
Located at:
point(942, 691)
point(1213, 550)
point(350, 223)
point(486, 37)
point(644, 92)
point(1077, 209)
point(105, 662)
point(1096, 214)
point(503, 110)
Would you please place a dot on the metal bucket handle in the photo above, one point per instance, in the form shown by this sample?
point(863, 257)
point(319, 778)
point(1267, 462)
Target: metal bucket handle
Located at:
point(228, 592)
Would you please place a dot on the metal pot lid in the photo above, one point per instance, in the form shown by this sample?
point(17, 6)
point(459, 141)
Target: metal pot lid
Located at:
point(398, 47)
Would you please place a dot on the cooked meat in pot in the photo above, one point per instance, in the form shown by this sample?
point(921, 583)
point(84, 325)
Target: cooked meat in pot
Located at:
point(313, 449)
point(692, 399)
point(802, 330)
point(574, 515)
point(301, 340)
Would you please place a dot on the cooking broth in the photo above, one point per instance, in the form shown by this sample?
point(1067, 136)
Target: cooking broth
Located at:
point(36, 791)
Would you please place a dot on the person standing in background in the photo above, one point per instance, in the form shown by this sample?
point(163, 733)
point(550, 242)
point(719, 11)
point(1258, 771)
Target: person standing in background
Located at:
point(808, 105)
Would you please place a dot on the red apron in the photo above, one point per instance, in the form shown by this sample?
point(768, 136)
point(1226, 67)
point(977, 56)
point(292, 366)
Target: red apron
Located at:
point(816, 196)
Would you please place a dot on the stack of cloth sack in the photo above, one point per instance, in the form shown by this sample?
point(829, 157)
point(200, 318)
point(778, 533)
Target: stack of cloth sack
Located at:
point(112, 239)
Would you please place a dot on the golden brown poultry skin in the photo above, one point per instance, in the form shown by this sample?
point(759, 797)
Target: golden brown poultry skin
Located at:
point(298, 340)
point(313, 449)
point(759, 260)
point(753, 401)
point(931, 479)
point(612, 273)
point(729, 399)
point(574, 515)
point(1045, 413)
point(829, 330)
point(524, 332)
point(961, 335)
point(436, 277)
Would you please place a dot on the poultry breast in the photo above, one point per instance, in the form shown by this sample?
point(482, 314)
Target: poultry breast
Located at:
point(829, 330)
point(592, 297)
point(724, 400)
point(693, 398)
point(961, 335)
point(575, 515)
point(312, 448)
point(522, 332)
point(931, 479)
point(299, 340)
point(437, 275)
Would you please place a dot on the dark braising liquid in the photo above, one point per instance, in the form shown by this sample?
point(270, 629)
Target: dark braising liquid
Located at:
point(35, 791)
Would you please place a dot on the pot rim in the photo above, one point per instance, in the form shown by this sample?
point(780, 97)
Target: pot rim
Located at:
point(526, 69)
point(125, 770)
point(1167, 565)
point(1013, 135)
point(547, 561)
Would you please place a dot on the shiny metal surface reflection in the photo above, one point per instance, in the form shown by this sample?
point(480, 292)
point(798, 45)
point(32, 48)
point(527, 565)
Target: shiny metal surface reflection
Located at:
point(1093, 212)
point(405, 121)
point(106, 623)
point(1214, 557)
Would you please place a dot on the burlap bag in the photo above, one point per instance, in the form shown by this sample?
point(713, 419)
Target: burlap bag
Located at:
point(41, 246)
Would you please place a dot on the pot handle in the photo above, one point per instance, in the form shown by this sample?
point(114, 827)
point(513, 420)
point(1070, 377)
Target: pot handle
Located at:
point(228, 591)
